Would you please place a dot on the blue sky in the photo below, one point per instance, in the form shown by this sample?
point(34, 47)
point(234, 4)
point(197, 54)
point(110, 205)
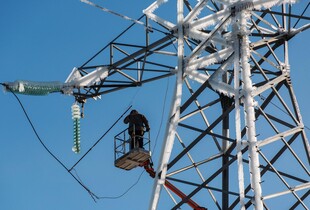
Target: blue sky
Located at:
point(43, 40)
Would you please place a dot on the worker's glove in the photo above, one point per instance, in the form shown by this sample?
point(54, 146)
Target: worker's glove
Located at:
point(147, 129)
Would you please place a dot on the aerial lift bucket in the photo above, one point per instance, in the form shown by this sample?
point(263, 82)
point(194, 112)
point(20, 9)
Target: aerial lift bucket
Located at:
point(127, 158)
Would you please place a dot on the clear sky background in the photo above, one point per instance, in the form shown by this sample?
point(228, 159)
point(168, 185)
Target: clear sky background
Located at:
point(42, 40)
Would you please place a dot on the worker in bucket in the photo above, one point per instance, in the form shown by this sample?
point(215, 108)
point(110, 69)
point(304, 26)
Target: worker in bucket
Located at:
point(137, 123)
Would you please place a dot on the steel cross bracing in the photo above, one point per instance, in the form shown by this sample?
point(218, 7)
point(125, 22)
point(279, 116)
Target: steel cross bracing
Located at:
point(135, 64)
point(235, 138)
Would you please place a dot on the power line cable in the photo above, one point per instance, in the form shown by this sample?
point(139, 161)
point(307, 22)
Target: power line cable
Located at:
point(100, 138)
point(264, 98)
point(123, 16)
point(112, 12)
point(162, 114)
point(302, 14)
point(131, 103)
point(121, 34)
point(125, 192)
point(44, 146)
point(76, 176)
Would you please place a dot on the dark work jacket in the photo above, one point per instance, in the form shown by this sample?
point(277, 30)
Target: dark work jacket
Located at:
point(136, 120)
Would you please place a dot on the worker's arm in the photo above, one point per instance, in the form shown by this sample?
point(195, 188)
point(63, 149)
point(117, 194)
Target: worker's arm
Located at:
point(146, 123)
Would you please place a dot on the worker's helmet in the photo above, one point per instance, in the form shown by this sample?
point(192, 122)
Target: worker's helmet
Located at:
point(134, 111)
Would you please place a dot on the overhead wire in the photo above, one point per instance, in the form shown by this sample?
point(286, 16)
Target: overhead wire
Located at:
point(122, 33)
point(112, 12)
point(76, 176)
point(156, 139)
point(143, 24)
point(302, 14)
point(135, 21)
point(72, 169)
point(131, 103)
point(264, 98)
point(135, 95)
point(139, 177)
point(125, 192)
point(155, 142)
point(33, 128)
point(164, 104)
point(45, 147)
point(101, 137)
point(162, 114)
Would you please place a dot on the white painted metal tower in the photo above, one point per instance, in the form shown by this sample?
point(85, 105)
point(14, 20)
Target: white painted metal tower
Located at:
point(235, 138)
point(239, 40)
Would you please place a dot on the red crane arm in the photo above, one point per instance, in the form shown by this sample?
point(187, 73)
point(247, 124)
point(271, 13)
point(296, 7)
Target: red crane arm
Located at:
point(148, 168)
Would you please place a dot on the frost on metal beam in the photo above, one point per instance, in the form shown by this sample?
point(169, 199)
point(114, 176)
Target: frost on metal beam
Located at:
point(280, 135)
point(34, 88)
point(75, 80)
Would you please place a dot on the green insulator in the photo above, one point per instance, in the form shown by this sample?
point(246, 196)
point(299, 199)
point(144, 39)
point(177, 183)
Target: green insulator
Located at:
point(76, 128)
point(34, 88)
point(76, 137)
point(76, 143)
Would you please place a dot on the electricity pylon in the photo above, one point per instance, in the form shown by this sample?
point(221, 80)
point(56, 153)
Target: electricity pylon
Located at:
point(235, 136)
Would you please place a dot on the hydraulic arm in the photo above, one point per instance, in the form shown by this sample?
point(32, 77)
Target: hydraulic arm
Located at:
point(149, 169)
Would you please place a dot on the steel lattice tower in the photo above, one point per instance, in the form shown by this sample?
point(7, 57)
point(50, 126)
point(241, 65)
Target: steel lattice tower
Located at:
point(235, 137)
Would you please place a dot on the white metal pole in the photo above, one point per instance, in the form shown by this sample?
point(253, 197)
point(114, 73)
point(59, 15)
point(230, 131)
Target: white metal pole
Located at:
point(249, 104)
point(174, 116)
point(238, 113)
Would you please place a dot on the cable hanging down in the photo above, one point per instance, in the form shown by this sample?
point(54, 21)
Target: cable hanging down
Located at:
point(76, 177)
point(93, 196)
